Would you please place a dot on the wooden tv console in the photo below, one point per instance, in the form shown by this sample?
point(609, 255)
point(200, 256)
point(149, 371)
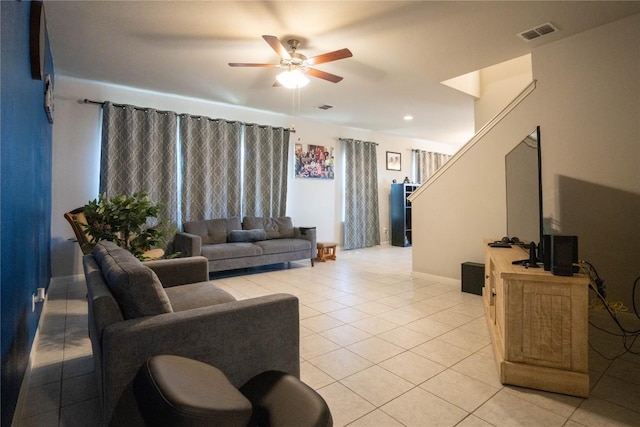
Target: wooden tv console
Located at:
point(538, 324)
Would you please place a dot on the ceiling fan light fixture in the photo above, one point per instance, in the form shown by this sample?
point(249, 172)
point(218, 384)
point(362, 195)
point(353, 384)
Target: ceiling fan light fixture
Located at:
point(292, 79)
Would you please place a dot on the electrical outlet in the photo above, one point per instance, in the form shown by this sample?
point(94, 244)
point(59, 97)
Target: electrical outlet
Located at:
point(36, 298)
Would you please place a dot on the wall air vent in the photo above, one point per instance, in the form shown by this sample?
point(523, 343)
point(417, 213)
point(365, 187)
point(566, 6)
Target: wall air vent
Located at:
point(539, 31)
point(325, 107)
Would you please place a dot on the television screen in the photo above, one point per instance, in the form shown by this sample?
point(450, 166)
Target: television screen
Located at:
point(524, 190)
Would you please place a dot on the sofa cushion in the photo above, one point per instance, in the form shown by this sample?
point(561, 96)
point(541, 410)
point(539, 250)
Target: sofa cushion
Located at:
point(239, 236)
point(230, 250)
point(135, 287)
point(275, 228)
point(213, 230)
point(279, 246)
point(196, 295)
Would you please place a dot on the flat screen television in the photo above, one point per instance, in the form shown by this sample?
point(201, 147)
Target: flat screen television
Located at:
point(524, 190)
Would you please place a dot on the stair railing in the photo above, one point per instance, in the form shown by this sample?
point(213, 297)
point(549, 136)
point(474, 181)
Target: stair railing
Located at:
point(475, 139)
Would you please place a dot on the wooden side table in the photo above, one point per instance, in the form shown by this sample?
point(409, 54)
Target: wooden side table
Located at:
point(326, 251)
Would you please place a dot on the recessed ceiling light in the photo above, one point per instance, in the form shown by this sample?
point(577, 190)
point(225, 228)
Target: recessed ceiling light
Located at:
point(408, 117)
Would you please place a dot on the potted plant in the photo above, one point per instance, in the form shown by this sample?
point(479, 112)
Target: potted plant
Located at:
point(131, 222)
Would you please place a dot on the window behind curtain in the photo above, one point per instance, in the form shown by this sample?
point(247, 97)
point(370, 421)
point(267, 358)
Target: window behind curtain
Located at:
point(362, 219)
point(427, 163)
point(139, 154)
point(266, 157)
point(210, 168)
point(202, 166)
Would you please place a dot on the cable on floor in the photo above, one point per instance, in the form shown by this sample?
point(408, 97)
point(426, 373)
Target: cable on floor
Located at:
point(596, 284)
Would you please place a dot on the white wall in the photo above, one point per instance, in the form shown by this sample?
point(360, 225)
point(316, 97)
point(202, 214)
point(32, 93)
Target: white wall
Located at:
point(76, 157)
point(499, 85)
point(587, 103)
point(591, 147)
point(466, 205)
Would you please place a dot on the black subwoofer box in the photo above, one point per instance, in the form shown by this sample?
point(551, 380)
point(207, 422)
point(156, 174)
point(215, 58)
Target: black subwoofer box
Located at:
point(472, 277)
point(559, 253)
point(564, 253)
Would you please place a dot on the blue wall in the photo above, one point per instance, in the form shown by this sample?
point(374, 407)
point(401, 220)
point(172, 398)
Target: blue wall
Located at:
point(25, 199)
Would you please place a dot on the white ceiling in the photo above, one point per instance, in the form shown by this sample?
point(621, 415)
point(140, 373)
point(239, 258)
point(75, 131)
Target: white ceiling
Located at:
point(402, 50)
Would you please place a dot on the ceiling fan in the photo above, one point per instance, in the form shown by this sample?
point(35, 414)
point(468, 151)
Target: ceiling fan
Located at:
point(296, 65)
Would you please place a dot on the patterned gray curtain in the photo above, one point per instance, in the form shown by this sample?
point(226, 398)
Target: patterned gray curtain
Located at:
point(210, 168)
point(139, 154)
point(427, 163)
point(362, 219)
point(266, 153)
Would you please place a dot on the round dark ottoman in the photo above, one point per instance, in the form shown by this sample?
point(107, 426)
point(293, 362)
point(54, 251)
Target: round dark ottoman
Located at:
point(175, 391)
point(282, 400)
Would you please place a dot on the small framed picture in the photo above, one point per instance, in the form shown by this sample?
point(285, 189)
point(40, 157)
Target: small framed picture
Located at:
point(393, 161)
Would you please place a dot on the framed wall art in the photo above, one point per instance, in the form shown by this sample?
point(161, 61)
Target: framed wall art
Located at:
point(394, 161)
point(314, 161)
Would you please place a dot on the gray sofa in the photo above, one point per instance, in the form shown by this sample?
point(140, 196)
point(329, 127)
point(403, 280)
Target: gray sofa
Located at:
point(138, 310)
point(229, 244)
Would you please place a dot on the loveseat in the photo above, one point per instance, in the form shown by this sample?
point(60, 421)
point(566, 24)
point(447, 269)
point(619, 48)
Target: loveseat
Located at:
point(229, 244)
point(139, 310)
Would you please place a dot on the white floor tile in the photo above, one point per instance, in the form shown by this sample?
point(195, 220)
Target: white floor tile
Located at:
point(340, 363)
point(345, 335)
point(441, 352)
point(505, 409)
point(377, 385)
point(420, 408)
point(459, 389)
point(314, 345)
point(595, 412)
point(346, 406)
point(413, 368)
point(376, 418)
point(404, 337)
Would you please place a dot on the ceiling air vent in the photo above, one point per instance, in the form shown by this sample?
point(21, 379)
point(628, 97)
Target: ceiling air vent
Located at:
point(539, 31)
point(325, 107)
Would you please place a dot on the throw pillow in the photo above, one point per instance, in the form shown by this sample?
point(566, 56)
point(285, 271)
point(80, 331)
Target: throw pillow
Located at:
point(276, 228)
point(213, 230)
point(238, 236)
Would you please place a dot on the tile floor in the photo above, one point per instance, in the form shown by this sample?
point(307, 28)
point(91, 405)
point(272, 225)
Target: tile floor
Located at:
point(383, 349)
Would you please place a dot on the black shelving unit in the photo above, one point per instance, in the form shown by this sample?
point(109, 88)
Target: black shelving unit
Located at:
point(401, 214)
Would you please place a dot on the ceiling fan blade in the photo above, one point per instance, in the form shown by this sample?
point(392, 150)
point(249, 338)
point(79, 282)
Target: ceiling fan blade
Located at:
point(249, 64)
point(275, 44)
point(323, 75)
point(330, 56)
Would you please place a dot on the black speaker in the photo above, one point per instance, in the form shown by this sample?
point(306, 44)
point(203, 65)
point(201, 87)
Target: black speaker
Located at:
point(564, 253)
point(472, 277)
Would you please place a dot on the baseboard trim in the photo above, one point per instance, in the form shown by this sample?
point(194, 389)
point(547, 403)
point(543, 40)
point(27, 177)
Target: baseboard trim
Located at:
point(441, 279)
point(24, 386)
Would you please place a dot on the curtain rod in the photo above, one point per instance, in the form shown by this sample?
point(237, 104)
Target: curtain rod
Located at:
point(101, 103)
point(357, 140)
point(435, 152)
